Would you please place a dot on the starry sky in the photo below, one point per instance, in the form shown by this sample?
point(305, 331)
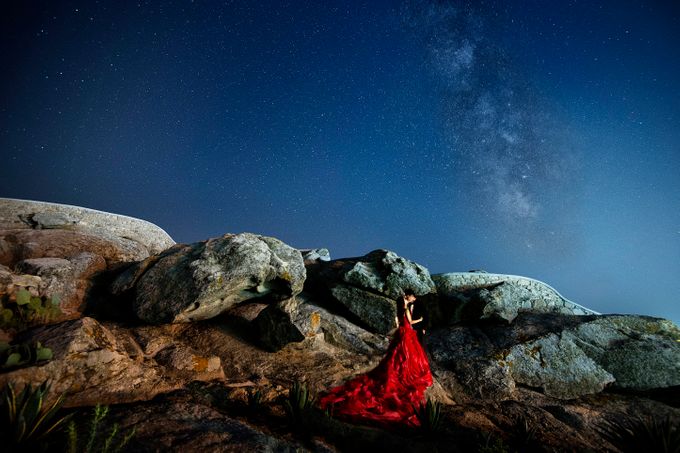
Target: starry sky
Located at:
point(534, 138)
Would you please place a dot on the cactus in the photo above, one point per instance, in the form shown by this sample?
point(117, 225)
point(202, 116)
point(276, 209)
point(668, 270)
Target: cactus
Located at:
point(20, 309)
point(23, 297)
point(21, 354)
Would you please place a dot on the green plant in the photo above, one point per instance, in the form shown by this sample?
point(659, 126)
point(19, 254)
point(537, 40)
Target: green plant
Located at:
point(299, 404)
point(20, 309)
point(111, 442)
point(12, 356)
point(429, 416)
point(643, 434)
point(26, 420)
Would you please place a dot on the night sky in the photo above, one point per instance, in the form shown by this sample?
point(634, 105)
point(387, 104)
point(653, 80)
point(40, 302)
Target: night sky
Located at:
point(537, 138)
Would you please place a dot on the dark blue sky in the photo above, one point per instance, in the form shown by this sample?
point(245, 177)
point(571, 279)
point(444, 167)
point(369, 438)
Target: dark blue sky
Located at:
point(531, 138)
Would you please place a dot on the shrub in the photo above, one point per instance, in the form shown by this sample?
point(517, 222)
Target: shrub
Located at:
point(429, 416)
point(26, 421)
point(96, 439)
point(299, 404)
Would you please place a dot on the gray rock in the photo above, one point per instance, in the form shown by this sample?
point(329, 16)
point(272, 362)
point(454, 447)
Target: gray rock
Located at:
point(467, 296)
point(566, 356)
point(50, 220)
point(375, 311)
point(557, 366)
point(466, 362)
point(201, 280)
point(316, 254)
point(367, 286)
point(25, 214)
point(641, 352)
point(384, 272)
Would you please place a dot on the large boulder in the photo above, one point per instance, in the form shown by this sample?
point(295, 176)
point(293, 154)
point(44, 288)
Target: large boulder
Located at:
point(467, 296)
point(367, 287)
point(190, 282)
point(565, 356)
point(128, 232)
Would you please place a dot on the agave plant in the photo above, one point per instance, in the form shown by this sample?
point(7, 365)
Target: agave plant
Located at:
point(643, 434)
point(27, 421)
point(429, 416)
point(300, 401)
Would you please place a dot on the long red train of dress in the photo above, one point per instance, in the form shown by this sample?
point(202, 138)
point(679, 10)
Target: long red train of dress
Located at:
point(389, 393)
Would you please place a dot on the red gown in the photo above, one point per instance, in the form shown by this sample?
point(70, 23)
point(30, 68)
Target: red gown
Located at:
point(389, 393)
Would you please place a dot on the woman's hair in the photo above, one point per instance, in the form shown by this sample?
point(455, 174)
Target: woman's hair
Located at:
point(408, 292)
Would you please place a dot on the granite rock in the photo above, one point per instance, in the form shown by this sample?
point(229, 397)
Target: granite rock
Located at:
point(466, 296)
point(201, 280)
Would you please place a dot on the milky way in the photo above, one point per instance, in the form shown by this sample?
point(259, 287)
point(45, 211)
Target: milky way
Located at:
point(511, 152)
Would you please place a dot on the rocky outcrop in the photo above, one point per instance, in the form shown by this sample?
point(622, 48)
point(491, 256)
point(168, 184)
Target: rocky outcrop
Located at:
point(296, 319)
point(565, 356)
point(69, 279)
point(94, 363)
point(468, 296)
point(56, 251)
point(38, 215)
point(367, 286)
point(201, 280)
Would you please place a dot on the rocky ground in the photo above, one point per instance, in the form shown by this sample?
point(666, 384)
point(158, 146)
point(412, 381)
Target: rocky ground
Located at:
point(196, 346)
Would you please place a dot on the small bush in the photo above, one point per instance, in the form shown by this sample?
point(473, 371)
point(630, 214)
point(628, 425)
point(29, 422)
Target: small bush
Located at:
point(429, 416)
point(299, 404)
point(97, 440)
point(26, 421)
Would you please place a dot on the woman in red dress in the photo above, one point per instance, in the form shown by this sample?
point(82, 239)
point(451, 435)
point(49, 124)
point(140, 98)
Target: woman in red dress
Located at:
point(390, 393)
